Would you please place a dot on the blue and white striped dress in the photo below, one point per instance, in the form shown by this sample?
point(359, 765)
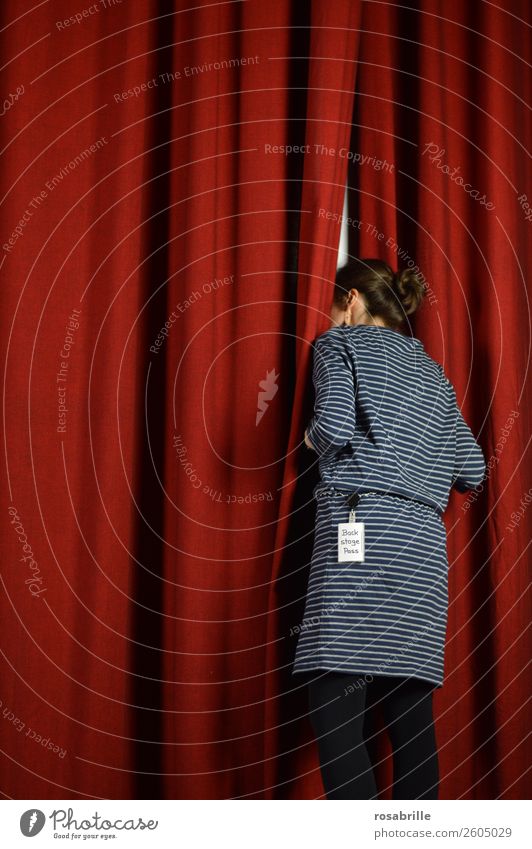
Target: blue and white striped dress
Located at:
point(387, 426)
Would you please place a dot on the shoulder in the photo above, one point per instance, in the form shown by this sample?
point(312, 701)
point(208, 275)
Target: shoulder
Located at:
point(332, 349)
point(441, 373)
point(336, 342)
point(445, 383)
point(331, 335)
point(338, 336)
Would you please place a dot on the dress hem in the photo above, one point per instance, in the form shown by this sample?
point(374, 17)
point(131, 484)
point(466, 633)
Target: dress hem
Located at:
point(437, 683)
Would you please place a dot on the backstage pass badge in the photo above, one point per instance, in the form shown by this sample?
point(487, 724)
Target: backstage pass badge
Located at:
point(351, 540)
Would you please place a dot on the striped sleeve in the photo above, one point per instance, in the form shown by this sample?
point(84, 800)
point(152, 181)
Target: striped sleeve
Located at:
point(333, 424)
point(469, 463)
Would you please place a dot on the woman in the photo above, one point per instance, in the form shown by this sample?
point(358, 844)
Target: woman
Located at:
point(391, 442)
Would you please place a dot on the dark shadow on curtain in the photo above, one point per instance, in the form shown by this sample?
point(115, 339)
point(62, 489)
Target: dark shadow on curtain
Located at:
point(408, 81)
point(147, 628)
point(293, 578)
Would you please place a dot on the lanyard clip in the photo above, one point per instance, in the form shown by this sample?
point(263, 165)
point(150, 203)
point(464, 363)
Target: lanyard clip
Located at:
point(352, 502)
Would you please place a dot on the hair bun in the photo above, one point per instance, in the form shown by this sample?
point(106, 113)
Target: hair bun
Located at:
point(409, 288)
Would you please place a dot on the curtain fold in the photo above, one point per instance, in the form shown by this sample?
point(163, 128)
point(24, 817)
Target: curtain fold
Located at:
point(172, 185)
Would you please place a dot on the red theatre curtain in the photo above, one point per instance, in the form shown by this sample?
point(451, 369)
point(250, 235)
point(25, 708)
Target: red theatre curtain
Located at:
point(166, 264)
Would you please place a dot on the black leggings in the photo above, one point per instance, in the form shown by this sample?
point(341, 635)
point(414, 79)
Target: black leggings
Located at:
point(338, 702)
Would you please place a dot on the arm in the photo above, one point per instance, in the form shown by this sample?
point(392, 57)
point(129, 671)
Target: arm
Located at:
point(469, 463)
point(333, 424)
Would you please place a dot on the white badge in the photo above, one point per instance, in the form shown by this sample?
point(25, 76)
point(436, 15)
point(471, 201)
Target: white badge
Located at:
point(351, 540)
